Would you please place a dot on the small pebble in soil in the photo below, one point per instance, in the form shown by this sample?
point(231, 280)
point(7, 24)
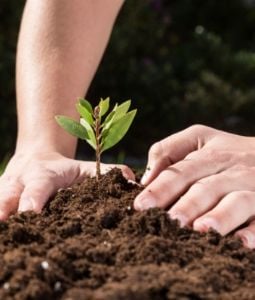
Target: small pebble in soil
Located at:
point(45, 265)
point(6, 285)
point(107, 244)
point(57, 286)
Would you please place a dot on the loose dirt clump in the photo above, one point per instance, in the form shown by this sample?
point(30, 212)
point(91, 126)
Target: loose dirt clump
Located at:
point(89, 243)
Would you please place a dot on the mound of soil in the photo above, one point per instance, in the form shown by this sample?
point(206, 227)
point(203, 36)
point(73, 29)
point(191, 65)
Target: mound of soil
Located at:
point(89, 243)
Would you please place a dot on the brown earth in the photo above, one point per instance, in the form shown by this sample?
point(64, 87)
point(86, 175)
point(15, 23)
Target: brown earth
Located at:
point(89, 243)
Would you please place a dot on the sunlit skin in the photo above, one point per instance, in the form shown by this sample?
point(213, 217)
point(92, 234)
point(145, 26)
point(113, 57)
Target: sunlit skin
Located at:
point(60, 46)
point(201, 176)
point(204, 178)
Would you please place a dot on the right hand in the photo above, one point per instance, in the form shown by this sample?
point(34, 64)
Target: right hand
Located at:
point(31, 178)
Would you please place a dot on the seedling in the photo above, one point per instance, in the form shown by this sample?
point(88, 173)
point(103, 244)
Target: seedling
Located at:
point(100, 130)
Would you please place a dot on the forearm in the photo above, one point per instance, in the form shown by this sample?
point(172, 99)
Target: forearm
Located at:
point(60, 46)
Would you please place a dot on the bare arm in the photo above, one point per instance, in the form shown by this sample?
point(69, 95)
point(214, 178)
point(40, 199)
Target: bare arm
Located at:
point(60, 46)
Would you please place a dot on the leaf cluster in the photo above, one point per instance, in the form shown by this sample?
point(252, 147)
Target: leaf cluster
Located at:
point(96, 127)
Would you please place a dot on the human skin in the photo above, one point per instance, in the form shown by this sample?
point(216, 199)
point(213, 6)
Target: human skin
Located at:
point(205, 178)
point(60, 46)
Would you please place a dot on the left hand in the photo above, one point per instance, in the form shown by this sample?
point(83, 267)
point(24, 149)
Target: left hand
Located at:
point(32, 177)
point(205, 178)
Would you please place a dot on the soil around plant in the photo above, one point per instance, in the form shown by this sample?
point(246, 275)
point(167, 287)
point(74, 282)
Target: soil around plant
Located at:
point(89, 243)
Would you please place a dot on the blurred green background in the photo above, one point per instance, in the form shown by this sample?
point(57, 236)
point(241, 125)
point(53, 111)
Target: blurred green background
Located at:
point(181, 62)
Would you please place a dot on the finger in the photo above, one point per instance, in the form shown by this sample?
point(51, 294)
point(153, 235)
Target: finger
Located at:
point(207, 192)
point(36, 193)
point(174, 148)
point(10, 190)
point(231, 212)
point(247, 235)
point(175, 180)
point(126, 171)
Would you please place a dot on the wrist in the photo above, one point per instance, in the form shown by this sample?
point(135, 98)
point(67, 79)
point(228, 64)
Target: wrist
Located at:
point(32, 144)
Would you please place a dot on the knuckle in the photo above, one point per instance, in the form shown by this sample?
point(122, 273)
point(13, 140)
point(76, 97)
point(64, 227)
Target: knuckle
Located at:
point(211, 154)
point(156, 149)
point(8, 179)
point(240, 168)
point(193, 155)
point(198, 128)
point(205, 189)
point(232, 196)
point(215, 156)
point(194, 205)
point(241, 171)
point(245, 195)
point(237, 196)
point(199, 190)
point(188, 206)
point(199, 187)
point(10, 184)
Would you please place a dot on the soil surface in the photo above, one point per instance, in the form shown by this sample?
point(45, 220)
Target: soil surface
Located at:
point(89, 243)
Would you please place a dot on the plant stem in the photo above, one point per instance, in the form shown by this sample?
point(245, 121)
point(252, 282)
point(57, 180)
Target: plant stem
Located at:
point(97, 133)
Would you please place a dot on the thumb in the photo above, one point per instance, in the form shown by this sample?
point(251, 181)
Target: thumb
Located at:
point(174, 148)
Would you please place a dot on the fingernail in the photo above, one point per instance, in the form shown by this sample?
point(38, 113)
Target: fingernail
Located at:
point(145, 203)
point(26, 205)
point(248, 239)
point(205, 224)
point(145, 176)
point(180, 217)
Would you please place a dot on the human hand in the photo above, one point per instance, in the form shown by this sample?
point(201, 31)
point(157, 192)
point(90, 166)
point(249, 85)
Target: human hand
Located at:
point(30, 179)
point(212, 175)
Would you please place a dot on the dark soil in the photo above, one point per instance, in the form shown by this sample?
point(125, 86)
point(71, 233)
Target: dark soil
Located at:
point(89, 243)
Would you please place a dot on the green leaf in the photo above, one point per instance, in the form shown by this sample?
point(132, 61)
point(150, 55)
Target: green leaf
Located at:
point(84, 113)
point(104, 106)
point(117, 130)
point(110, 115)
point(121, 110)
point(86, 104)
point(72, 127)
point(117, 112)
point(91, 135)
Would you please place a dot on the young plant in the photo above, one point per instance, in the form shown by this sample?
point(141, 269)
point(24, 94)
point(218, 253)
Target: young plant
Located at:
point(100, 130)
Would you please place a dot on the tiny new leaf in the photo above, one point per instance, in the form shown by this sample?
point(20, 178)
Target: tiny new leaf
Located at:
point(104, 106)
point(122, 108)
point(86, 104)
point(84, 113)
